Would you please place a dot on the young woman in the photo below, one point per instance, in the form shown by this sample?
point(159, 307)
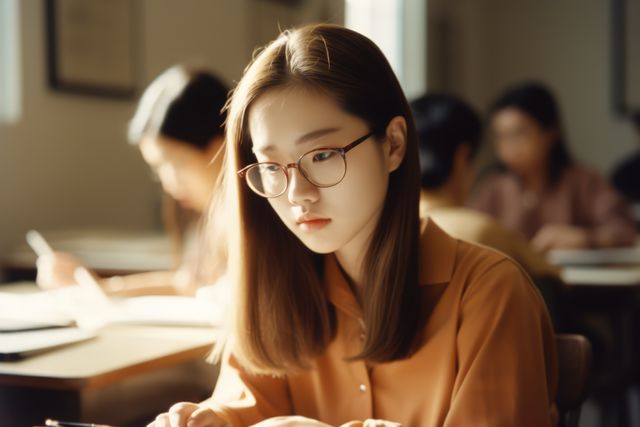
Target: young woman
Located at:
point(178, 127)
point(538, 189)
point(347, 308)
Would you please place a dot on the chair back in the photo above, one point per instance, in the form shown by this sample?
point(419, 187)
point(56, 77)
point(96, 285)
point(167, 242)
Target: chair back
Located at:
point(574, 367)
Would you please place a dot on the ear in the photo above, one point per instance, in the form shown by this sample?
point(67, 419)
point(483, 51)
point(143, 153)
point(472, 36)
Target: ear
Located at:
point(461, 158)
point(396, 135)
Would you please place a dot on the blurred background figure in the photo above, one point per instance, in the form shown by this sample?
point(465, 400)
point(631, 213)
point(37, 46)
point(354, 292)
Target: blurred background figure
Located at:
point(626, 176)
point(449, 133)
point(179, 129)
point(537, 188)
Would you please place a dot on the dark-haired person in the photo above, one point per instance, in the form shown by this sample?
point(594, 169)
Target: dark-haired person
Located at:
point(538, 189)
point(178, 127)
point(626, 177)
point(449, 133)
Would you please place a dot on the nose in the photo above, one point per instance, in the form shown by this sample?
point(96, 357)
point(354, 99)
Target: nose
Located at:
point(301, 191)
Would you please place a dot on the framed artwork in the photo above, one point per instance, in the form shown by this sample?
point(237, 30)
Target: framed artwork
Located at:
point(91, 46)
point(625, 49)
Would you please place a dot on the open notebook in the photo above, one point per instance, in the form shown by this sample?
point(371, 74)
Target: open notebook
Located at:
point(35, 320)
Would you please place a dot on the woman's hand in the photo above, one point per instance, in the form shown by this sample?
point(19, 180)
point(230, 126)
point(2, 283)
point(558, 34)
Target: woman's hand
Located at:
point(560, 236)
point(186, 414)
point(290, 421)
point(56, 270)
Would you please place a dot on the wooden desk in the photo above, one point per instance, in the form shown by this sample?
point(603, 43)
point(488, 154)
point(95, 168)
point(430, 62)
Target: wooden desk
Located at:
point(124, 377)
point(609, 296)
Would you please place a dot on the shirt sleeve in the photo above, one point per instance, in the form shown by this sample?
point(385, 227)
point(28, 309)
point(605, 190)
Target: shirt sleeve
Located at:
point(506, 354)
point(243, 398)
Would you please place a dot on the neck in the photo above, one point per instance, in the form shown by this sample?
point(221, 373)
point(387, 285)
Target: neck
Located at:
point(440, 197)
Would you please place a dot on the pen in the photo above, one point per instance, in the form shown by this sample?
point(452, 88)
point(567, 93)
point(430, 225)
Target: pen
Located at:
point(86, 280)
point(55, 423)
point(38, 243)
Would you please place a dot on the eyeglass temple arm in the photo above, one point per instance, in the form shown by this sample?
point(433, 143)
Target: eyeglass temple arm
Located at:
point(356, 142)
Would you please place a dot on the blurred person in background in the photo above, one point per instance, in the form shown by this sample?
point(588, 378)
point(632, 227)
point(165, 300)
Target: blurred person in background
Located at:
point(179, 129)
point(538, 189)
point(626, 176)
point(449, 133)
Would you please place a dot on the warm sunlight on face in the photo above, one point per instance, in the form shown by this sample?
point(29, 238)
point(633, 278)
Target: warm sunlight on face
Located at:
point(285, 124)
point(184, 171)
point(520, 142)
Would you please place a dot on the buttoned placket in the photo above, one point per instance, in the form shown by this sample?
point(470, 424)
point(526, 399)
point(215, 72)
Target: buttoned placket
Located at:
point(354, 335)
point(364, 387)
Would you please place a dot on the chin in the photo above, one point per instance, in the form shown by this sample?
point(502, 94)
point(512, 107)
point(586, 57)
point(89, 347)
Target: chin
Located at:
point(319, 246)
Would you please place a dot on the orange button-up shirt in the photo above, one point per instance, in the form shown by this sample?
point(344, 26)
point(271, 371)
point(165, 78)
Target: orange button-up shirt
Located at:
point(487, 354)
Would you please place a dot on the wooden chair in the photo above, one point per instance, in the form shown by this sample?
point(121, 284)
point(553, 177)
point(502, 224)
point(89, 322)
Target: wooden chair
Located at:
point(574, 365)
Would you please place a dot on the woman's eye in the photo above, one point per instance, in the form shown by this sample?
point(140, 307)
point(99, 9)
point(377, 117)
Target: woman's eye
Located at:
point(272, 168)
point(323, 155)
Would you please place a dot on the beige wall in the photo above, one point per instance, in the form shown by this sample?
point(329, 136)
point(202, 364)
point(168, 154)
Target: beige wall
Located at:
point(478, 48)
point(66, 163)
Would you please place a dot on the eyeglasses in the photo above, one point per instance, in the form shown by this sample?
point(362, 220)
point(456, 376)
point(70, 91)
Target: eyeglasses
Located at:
point(322, 167)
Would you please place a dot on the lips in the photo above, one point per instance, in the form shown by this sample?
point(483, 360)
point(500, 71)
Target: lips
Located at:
point(311, 224)
point(185, 203)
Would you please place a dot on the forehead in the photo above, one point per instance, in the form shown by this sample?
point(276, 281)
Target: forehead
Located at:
point(281, 116)
point(510, 117)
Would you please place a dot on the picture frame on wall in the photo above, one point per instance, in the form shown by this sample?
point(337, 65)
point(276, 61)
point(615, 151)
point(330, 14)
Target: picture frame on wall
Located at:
point(91, 47)
point(625, 49)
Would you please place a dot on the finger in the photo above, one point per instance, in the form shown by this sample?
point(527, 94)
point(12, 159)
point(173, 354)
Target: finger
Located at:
point(44, 260)
point(161, 420)
point(204, 417)
point(180, 413)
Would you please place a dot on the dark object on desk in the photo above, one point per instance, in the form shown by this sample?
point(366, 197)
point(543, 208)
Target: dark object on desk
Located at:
point(574, 367)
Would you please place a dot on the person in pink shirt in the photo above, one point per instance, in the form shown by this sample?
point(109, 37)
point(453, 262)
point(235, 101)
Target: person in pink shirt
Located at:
point(538, 189)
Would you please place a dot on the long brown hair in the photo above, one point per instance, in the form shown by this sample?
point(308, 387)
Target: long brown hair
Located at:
point(283, 318)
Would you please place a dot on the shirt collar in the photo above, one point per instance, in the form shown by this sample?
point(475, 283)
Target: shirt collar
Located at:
point(437, 254)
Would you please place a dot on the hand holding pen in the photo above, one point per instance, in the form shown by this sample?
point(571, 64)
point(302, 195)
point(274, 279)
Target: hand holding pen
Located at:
point(55, 269)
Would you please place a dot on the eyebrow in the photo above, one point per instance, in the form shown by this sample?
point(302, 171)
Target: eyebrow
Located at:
point(303, 139)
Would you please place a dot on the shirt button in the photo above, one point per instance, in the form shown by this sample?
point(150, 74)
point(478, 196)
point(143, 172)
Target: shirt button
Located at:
point(363, 388)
